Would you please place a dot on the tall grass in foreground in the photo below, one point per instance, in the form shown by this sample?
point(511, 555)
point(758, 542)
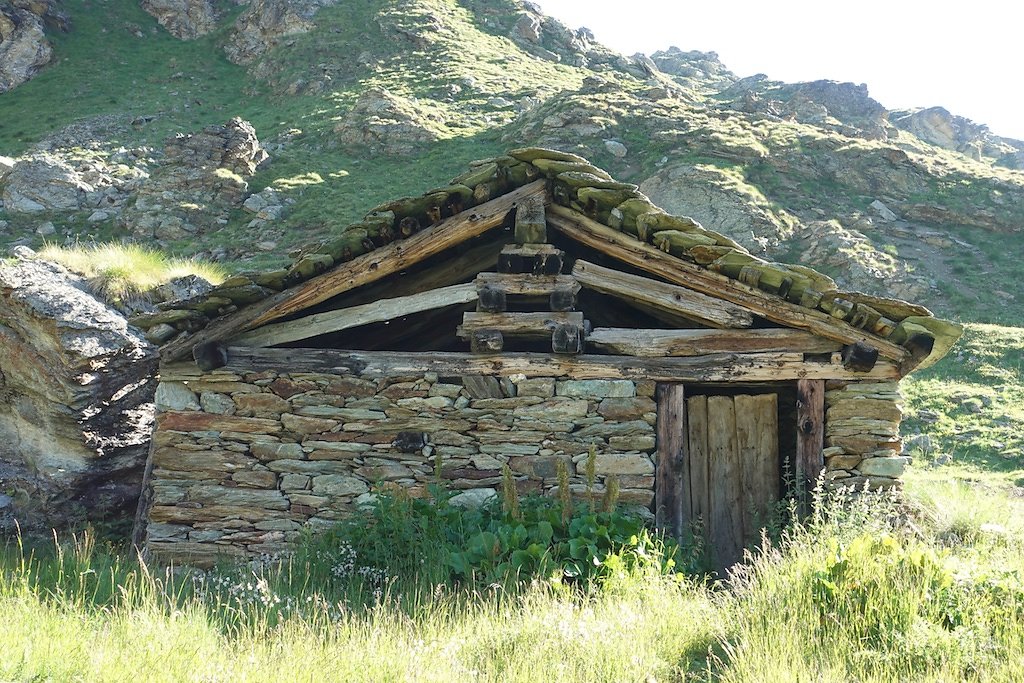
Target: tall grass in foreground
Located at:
point(864, 591)
point(120, 272)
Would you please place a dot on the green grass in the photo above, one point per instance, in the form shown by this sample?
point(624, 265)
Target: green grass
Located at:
point(118, 272)
point(862, 592)
point(971, 404)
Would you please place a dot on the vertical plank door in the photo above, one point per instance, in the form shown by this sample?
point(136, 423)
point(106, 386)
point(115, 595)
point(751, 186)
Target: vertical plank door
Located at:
point(725, 483)
point(672, 490)
point(697, 420)
point(757, 429)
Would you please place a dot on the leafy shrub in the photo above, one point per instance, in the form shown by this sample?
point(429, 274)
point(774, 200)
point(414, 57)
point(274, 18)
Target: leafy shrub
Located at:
point(432, 541)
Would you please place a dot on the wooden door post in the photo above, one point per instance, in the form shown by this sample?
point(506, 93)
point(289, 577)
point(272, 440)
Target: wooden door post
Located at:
point(672, 487)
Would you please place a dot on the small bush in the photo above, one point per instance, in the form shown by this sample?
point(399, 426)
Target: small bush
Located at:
point(431, 541)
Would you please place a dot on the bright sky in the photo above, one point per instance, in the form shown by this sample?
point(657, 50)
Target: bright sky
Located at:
point(966, 57)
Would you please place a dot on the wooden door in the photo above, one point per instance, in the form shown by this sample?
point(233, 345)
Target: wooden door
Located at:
point(728, 469)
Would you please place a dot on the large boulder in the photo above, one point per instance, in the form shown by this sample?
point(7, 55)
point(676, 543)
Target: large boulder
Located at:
point(76, 391)
point(184, 19)
point(266, 22)
point(200, 179)
point(24, 49)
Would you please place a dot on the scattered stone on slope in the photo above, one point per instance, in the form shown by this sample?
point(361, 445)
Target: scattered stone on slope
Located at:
point(854, 262)
point(265, 22)
point(24, 49)
point(384, 123)
point(76, 395)
point(200, 179)
point(184, 19)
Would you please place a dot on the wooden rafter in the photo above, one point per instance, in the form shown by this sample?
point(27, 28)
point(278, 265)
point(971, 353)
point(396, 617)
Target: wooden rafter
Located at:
point(356, 316)
point(361, 270)
point(662, 296)
point(628, 249)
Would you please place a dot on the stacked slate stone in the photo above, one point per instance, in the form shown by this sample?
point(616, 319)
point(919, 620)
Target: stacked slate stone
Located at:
point(577, 184)
point(244, 461)
point(862, 442)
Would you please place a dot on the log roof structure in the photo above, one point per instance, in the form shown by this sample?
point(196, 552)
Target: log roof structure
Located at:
point(675, 269)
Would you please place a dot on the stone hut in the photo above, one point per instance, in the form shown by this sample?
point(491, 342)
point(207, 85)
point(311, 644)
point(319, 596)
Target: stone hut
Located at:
point(529, 312)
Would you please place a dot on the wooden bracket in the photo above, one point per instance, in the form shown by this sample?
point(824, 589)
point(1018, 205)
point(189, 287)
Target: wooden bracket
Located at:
point(486, 341)
point(492, 299)
point(859, 357)
point(567, 338)
point(210, 355)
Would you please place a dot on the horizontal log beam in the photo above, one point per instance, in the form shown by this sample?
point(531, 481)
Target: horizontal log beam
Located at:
point(532, 325)
point(356, 316)
point(522, 284)
point(720, 367)
point(362, 270)
point(661, 296)
point(682, 343)
point(630, 250)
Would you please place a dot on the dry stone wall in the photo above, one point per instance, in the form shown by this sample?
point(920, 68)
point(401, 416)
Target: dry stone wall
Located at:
point(862, 434)
point(242, 463)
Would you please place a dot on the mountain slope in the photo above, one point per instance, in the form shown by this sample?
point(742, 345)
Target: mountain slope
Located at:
point(358, 102)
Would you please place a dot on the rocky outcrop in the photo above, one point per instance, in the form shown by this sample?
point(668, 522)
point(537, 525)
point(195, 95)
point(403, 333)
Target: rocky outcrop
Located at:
point(694, 69)
point(714, 198)
point(937, 126)
point(47, 181)
point(852, 259)
point(200, 179)
point(184, 19)
point(266, 22)
point(76, 395)
point(844, 107)
point(24, 49)
point(384, 123)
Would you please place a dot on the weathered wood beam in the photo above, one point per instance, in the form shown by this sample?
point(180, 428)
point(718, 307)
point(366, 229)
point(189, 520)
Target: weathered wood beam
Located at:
point(720, 367)
point(810, 436)
point(531, 226)
point(522, 284)
point(655, 343)
point(627, 248)
point(662, 296)
point(365, 314)
point(531, 325)
point(672, 505)
point(539, 259)
point(362, 270)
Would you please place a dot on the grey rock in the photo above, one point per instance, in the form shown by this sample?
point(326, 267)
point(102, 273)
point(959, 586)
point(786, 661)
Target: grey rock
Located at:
point(175, 396)
point(76, 398)
point(46, 229)
point(265, 23)
point(98, 216)
point(473, 498)
point(596, 388)
point(883, 211)
point(883, 467)
point(616, 148)
point(184, 19)
point(385, 123)
point(218, 404)
point(24, 49)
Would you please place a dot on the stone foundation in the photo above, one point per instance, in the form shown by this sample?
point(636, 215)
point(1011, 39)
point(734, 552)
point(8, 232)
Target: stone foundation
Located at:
point(243, 463)
point(862, 434)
